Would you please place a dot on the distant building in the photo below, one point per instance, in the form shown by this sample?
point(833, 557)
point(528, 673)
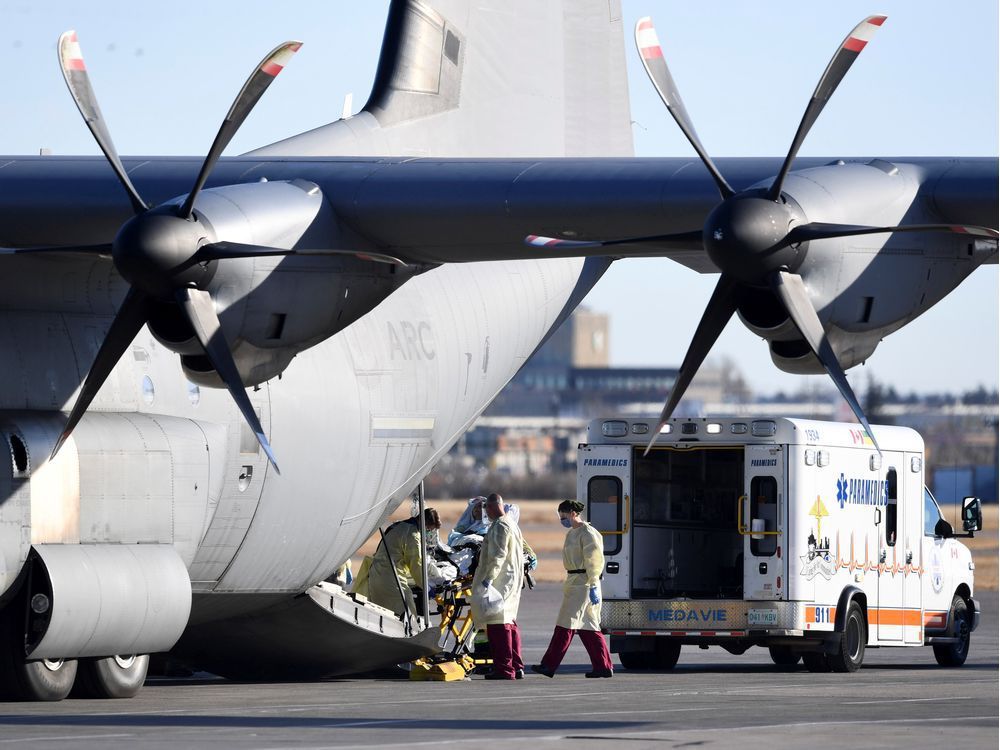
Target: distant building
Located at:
point(533, 427)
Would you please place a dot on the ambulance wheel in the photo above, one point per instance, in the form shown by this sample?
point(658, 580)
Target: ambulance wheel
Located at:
point(954, 654)
point(22, 680)
point(667, 653)
point(111, 677)
point(783, 656)
point(636, 660)
point(815, 661)
point(851, 646)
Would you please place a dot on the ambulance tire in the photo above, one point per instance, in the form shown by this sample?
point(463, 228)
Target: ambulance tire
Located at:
point(784, 656)
point(815, 661)
point(851, 646)
point(636, 661)
point(954, 654)
point(111, 677)
point(667, 653)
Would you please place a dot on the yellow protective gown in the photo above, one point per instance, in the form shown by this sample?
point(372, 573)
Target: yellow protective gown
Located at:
point(582, 550)
point(501, 560)
point(402, 540)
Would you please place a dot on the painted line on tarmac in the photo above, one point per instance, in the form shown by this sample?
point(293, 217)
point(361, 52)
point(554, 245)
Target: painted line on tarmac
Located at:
point(535, 738)
point(66, 737)
point(910, 700)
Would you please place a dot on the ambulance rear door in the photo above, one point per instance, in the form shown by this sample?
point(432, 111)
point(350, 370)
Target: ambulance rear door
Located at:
point(761, 522)
point(604, 482)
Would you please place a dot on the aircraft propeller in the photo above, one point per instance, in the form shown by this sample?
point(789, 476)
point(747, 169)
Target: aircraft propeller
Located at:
point(754, 236)
point(166, 253)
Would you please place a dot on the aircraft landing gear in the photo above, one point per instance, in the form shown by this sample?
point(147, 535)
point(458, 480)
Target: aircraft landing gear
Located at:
point(23, 680)
point(111, 677)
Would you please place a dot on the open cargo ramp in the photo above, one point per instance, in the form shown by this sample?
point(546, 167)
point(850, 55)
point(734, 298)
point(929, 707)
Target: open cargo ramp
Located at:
point(322, 632)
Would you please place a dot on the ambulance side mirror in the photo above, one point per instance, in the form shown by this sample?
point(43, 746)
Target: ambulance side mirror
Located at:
point(972, 514)
point(943, 529)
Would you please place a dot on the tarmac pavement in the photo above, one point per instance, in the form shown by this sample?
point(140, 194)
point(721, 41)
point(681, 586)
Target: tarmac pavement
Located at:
point(900, 698)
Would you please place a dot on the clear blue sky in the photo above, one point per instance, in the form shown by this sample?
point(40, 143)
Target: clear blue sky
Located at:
point(927, 85)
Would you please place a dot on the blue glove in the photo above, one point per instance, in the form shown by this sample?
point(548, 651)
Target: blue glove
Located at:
point(595, 598)
point(532, 563)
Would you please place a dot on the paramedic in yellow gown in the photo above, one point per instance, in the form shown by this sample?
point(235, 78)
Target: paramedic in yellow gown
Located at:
point(396, 562)
point(583, 557)
point(501, 566)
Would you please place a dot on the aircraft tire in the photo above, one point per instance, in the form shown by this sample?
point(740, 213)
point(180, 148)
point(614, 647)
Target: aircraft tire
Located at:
point(955, 654)
point(667, 653)
point(784, 656)
point(850, 651)
point(111, 677)
point(23, 680)
point(815, 661)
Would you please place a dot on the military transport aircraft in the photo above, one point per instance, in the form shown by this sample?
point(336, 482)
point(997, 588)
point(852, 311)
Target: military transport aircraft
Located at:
point(178, 328)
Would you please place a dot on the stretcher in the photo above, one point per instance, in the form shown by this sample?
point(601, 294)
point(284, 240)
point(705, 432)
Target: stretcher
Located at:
point(462, 653)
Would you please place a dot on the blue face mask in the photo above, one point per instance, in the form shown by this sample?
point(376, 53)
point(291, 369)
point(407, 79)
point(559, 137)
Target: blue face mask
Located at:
point(566, 522)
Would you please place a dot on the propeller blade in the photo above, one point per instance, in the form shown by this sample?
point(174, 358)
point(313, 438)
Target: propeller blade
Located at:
point(200, 311)
point(224, 250)
point(841, 62)
point(249, 95)
point(792, 292)
point(682, 240)
point(720, 309)
point(655, 64)
point(75, 72)
point(131, 317)
point(821, 231)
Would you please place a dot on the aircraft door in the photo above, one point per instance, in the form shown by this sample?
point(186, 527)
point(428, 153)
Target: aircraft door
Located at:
point(246, 467)
point(604, 481)
point(761, 515)
point(891, 562)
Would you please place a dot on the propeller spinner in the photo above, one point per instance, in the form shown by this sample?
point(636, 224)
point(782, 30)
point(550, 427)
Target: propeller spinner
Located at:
point(753, 236)
point(165, 253)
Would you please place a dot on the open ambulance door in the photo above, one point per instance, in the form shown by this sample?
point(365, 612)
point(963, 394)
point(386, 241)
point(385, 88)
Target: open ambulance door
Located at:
point(761, 517)
point(604, 481)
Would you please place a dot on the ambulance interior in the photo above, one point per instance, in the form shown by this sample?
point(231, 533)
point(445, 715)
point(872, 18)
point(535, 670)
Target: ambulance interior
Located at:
point(685, 541)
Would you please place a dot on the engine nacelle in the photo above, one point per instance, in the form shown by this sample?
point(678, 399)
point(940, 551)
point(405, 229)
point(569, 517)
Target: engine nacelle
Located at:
point(862, 287)
point(273, 307)
point(793, 355)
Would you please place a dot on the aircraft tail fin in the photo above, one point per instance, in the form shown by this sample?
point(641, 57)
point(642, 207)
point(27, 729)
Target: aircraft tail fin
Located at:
point(490, 78)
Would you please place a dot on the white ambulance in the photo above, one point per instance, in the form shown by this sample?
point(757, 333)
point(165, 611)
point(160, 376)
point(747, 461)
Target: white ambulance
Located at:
point(796, 535)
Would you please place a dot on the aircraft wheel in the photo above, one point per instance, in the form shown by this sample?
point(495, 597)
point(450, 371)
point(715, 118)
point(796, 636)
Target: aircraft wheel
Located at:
point(22, 680)
point(667, 653)
point(851, 647)
point(815, 661)
point(636, 660)
point(784, 656)
point(954, 654)
point(111, 677)
point(46, 680)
